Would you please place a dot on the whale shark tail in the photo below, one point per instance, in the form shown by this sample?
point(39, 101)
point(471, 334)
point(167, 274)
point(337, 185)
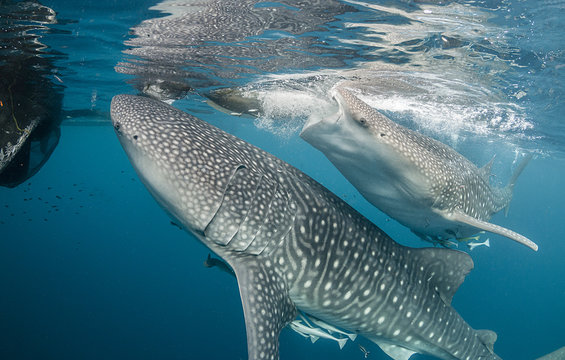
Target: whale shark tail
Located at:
point(519, 170)
point(510, 187)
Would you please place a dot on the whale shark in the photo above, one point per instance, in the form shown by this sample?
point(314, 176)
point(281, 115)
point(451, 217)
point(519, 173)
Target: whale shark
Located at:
point(422, 183)
point(558, 354)
point(294, 246)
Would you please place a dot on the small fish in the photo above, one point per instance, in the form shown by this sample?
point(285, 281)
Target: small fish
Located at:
point(213, 262)
point(470, 238)
point(316, 333)
point(365, 352)
point(58, 79)
point(473, 245)
point(176, 225)
point(331, 329)
point(299, 331)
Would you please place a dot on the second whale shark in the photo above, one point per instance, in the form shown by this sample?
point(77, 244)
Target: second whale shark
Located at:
point(422, 183)
point(293, 245)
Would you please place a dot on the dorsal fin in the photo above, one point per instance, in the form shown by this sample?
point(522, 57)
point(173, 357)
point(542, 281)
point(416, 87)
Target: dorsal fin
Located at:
point(485, 171)
point(443, 269)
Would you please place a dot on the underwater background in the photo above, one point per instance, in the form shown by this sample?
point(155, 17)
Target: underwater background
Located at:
point(91, 267)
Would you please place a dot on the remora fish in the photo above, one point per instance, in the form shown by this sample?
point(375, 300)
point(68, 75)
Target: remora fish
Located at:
point(220, 264)
point(332, 329)
point(316, 333)
point(422, 183)
point(293, 244)
point(473, 245)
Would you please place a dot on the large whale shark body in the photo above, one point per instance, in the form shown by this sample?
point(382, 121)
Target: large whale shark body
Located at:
point(295, 246)
point(422, 183)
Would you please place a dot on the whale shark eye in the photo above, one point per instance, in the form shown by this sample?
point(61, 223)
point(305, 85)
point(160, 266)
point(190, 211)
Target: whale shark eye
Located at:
point(362, 121)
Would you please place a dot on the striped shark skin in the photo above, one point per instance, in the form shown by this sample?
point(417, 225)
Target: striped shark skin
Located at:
point(422, 183)
point(294, 245)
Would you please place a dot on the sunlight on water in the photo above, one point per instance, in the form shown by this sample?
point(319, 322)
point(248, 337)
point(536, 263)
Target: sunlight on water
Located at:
point(443, 69)
point(284, 111)
point(432, 103)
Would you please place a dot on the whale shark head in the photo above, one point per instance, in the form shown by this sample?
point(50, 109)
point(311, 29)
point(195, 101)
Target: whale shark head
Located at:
point(355, 130)
point(352, 124)
point(347, 129)
point(176, 170)
point(368, 148)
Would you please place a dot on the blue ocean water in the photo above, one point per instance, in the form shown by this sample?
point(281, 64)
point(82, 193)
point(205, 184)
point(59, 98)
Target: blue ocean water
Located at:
point(91, 267)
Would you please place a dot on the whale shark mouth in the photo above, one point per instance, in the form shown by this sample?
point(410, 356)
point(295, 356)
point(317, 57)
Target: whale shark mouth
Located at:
point(317, 123)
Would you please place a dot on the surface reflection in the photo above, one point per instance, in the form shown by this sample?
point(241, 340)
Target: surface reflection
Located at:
point(30, 92)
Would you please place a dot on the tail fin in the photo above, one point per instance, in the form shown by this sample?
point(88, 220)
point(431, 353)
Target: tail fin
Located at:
point(514, 177)
point(519, 169)
point(342, 342)
point(352, 336)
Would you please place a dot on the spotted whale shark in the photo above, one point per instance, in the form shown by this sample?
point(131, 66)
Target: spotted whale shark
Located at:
point(422, 183)
point(294, 246)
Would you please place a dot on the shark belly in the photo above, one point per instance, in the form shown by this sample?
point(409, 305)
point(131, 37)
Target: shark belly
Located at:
point(401, 192)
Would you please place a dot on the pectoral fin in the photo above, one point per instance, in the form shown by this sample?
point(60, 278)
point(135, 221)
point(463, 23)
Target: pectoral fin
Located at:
point(461, 217)
point(266, 306)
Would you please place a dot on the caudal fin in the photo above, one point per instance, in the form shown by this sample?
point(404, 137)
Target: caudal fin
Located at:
point(519, 169)
point(512, 182)
point(342, 342)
